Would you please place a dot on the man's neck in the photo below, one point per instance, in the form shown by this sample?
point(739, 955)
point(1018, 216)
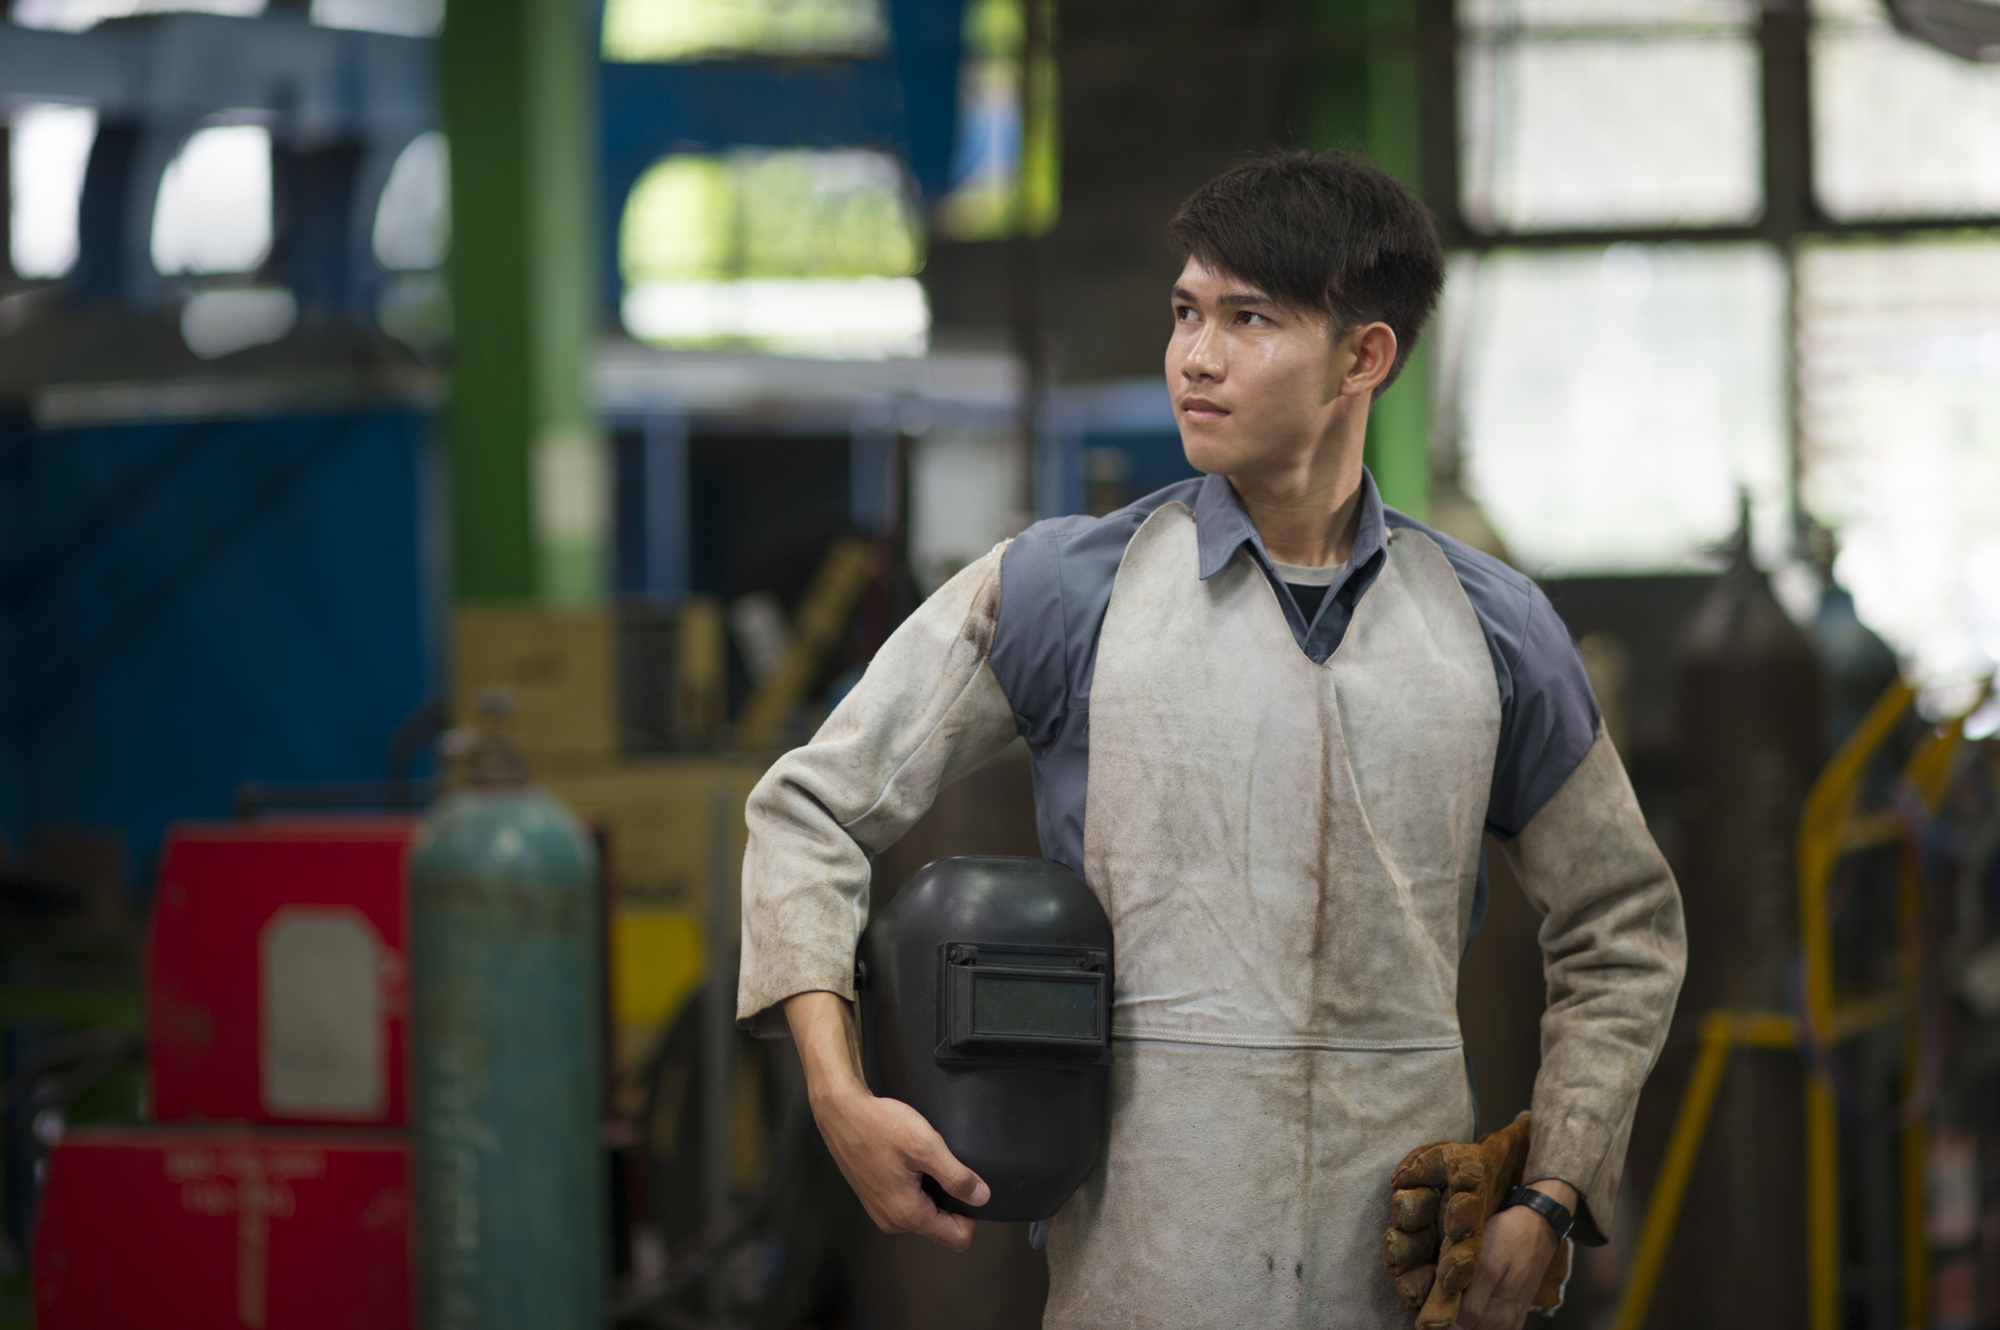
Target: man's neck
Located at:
point(1307, 515)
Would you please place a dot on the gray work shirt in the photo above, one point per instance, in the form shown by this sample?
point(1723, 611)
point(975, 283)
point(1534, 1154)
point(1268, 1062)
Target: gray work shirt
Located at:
point(1056, 583)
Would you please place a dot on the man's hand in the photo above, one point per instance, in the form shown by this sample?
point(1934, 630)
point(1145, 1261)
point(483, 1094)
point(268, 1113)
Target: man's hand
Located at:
point(883, 1146)
point(1454, 1259)
point(1520, 1267)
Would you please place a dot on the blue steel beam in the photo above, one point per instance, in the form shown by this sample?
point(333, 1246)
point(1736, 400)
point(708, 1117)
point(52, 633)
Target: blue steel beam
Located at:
point(340, 105)
point(153, 79)
point(305, 81)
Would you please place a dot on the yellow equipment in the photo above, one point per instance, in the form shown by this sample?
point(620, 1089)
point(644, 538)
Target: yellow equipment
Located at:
point(1829, 827)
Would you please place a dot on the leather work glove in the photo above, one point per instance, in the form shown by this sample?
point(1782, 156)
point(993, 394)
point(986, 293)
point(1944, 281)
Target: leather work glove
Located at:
point(1452, 1188)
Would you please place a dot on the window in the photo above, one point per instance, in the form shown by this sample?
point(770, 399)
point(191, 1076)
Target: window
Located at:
point(1899, 437)
point(407, 18)
point(404, 18)
point(1900, 129)
point(640, 30)
point(1005, 175)
point(413, 219)
point(49, 151)
point(1834, 356)
point(1579, 114)
point(77, 15)
point(1612, 403)
point(214, 208)
point(799, 251)
point(217, 323)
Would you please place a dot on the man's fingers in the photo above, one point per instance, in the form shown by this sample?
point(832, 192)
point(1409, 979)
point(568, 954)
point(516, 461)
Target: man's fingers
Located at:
point(1479, 1294)
point(961, 1182)
point(916, 1213)
point(947, 1230)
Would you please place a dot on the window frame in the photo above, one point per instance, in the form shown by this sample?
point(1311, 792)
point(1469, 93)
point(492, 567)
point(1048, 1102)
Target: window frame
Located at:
point(1782, 33)
point(1792, 216)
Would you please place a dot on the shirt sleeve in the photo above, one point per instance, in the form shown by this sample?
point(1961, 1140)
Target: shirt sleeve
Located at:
point(1614, 949)
point(927, 711)
point(1548, 715)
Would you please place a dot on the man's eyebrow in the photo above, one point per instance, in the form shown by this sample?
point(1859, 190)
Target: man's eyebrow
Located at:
point(1228, 298)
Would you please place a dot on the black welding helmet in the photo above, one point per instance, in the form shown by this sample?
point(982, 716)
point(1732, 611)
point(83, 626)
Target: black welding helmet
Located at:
point(985, 989)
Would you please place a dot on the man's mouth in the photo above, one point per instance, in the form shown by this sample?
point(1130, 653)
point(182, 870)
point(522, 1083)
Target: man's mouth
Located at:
point(1201, 409)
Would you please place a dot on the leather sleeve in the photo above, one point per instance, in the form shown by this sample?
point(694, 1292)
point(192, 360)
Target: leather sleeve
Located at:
point(927, 711)
point(1614, 949)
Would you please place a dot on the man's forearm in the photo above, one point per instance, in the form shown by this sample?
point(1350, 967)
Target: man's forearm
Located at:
point(883, 1146)
point(829, 1047)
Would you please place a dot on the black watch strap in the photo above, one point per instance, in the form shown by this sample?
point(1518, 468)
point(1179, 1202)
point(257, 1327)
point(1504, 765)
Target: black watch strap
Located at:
point(1545, 1205)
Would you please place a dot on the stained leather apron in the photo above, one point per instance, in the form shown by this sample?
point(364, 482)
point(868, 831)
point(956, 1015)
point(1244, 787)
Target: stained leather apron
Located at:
point(1288, 853)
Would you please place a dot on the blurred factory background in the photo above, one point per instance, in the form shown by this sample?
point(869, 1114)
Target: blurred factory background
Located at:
point(650, 359)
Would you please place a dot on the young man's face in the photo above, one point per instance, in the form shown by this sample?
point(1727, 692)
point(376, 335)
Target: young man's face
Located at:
point(1256, 385)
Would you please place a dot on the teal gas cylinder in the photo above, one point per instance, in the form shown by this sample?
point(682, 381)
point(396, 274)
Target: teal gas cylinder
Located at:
point(508, 1058)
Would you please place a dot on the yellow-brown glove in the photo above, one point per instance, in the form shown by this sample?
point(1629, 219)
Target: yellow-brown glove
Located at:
point(1455, 1187)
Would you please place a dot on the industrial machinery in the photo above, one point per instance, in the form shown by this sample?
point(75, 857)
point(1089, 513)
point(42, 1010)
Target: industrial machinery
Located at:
point(1749, 718)
point(1939, 824)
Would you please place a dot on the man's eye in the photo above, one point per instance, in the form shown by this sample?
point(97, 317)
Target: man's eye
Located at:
point(1252, 317)
point(1182, 313)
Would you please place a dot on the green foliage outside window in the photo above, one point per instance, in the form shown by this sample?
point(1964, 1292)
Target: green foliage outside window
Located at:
point(1009, 149)
point(769, 214)
point(646, 30)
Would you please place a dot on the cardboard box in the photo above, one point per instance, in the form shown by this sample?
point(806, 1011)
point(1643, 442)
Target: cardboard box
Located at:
point(661, 817)
point(561, 665)
point(594, 682)
point(277, 972)
point(220, 1229)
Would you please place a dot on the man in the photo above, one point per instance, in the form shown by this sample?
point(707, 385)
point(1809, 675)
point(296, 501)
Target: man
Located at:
point(1270, 720)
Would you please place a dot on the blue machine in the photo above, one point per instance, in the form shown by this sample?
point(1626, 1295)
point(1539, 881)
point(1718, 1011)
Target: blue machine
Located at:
point(212, 571)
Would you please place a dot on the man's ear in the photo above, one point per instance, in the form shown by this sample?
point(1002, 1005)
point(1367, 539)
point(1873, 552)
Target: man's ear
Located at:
point(1373, 346)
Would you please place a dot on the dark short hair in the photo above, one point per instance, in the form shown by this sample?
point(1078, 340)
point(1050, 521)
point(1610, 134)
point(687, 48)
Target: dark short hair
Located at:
point(1321, 230)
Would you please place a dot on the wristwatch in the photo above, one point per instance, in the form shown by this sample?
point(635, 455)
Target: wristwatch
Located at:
point(1545, 1205)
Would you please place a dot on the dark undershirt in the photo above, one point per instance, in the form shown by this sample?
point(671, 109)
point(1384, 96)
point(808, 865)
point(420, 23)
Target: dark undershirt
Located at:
point(1308, 598)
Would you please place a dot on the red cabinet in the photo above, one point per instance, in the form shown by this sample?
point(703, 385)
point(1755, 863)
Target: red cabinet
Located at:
point(185, 1228)
point(277, 972)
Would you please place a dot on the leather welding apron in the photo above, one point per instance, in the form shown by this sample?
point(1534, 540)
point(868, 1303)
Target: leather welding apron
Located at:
point(1288, 853)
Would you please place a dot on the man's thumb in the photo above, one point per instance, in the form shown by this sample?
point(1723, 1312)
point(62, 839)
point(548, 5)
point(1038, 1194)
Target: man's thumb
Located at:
point(955, 1177)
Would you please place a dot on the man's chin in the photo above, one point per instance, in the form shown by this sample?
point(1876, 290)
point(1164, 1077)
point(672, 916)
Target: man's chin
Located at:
point(1205, 452)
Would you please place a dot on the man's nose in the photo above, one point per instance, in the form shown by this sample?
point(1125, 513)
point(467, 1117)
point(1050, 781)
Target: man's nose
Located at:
point(1204, 358)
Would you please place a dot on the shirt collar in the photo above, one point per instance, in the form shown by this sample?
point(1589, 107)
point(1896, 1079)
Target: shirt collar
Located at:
point(1221, 525)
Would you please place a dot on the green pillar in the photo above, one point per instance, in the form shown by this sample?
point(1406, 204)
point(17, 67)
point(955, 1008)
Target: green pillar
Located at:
point(1364, 98)
point(530, 501)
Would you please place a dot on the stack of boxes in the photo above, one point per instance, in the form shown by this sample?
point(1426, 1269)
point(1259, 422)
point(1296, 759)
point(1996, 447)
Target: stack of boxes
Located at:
point(619, 711)
point(272, 1189)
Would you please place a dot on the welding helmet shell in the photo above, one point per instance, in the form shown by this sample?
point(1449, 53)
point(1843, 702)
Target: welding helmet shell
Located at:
point(985, 995)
